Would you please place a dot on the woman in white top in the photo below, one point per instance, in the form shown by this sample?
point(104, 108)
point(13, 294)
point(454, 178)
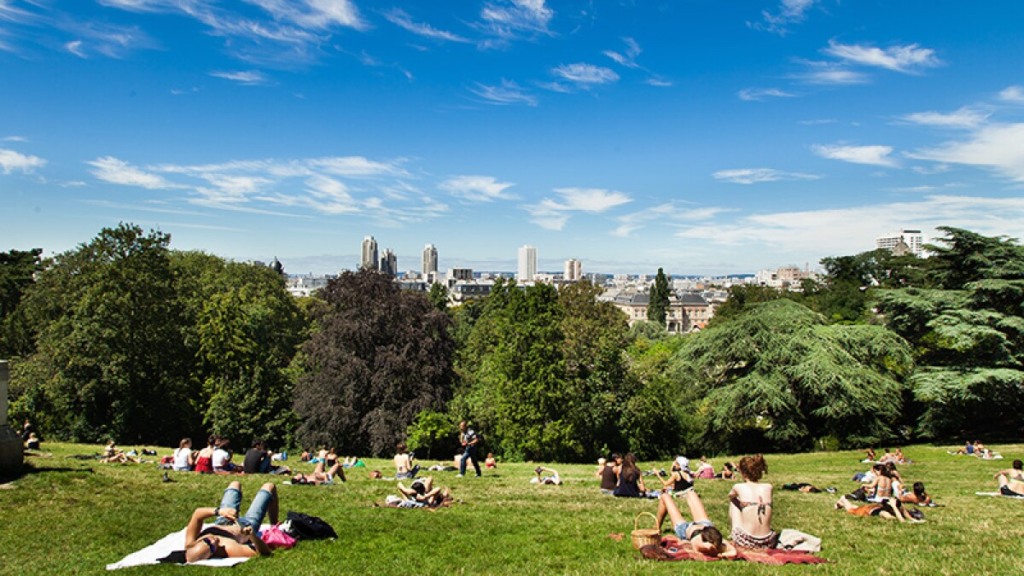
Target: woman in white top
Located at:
point(183, 455)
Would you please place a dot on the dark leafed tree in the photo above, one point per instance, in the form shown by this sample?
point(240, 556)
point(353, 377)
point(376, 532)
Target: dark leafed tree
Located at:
point(657, 309)
point(110, 360)
point(379, 357)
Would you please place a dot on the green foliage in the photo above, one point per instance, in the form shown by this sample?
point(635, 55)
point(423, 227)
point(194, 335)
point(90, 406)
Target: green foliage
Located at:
point(438, 296)
point(379, 356)
point(778, 372)
point(657, 309)
point(433, 435)
point(110, 360)
point(17, 271)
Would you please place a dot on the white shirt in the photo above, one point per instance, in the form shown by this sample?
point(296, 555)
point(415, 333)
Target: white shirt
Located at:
point(220, 458)
point(181, 459)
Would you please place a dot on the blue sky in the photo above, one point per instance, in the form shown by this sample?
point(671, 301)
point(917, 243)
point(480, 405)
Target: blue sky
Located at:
point(702, 136)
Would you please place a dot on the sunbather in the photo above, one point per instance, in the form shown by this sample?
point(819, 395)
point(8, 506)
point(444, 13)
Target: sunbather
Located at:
point(751, 506)
point(888, 508)
point(681, 478)
point(231, 535)
point(320, 476)
point(917, 496)
point(1011, 480)
point(420, 494)
point(699, 532)
point(552, 478)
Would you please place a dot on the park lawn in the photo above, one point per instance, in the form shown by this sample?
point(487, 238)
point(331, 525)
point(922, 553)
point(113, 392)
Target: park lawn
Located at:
point(71, 516)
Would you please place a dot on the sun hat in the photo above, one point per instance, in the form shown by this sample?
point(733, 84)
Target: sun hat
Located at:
point(683, 462)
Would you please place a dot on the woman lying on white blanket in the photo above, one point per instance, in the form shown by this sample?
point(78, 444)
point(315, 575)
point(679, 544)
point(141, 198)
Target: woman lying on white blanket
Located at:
point(231, 535)
point(1011, 480)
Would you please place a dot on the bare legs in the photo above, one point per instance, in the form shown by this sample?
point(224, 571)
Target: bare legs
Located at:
point(667, 505)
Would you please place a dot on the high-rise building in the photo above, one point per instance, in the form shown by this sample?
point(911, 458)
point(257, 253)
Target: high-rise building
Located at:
point(388, 263)
point(527, 264)
point(911, 239)
point(429, 259)
point(369, 256)
point(573, 270)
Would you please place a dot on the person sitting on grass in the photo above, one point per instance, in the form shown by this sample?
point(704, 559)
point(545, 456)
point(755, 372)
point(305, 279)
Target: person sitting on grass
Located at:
point(490, 462)
point(553, 478)
point(699, 532)
point(231, 535)
point(32, 443)
point(112, 454)
point(705, 470)
point(404, 468)
point(888, 508)
point(319, 475)
point(1011, 480)
point(222, 457)
point(681, 479)
point(880, 487)
point(184, 456)
point(751, 506)
point(204, 459)
point(631, 482)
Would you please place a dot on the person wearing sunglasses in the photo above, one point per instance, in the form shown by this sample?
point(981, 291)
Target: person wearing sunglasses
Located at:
point(231, 535)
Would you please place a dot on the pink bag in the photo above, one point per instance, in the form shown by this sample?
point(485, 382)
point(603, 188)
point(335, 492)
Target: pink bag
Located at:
point(277, 538)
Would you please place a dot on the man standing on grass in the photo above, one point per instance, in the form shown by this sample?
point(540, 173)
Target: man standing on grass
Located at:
point(469, 441)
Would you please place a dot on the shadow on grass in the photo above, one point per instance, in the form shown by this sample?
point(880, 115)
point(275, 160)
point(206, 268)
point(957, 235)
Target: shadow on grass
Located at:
point(28, 470)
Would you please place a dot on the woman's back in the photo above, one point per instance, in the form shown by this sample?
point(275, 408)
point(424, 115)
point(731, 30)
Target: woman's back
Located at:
point(751, 508)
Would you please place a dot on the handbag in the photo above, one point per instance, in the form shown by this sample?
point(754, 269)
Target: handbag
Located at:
point(276, 538)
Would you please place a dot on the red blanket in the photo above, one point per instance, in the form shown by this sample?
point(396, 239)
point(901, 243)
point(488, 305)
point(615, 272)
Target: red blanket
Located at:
point(673, 548)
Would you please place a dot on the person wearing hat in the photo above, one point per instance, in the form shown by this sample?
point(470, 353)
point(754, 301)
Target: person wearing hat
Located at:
point(681, 478)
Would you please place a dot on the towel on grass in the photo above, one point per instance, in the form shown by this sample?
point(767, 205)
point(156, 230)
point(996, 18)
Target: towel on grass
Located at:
point(161, 548)
point(998, 494)
point(676, 549)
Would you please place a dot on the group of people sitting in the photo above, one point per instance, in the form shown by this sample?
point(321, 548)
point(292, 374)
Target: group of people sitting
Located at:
point(620, 476)
point(977, 449)
point(217, 455)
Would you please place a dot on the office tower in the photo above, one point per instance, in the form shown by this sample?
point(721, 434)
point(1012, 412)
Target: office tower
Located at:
point(573, 270)
point(429, 259)
point(911, 239)
point(369, 257)
point(527, 264)
point(389, 263)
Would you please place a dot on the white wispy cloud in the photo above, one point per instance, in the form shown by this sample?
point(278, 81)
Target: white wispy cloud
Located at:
point(75, 47)
point(672, 213)
point(755, 94)
point(627, 58)
point(907, 59)
point(477, 188)
point(509, 19)
point(585, 75)
point(316, 14)
point(962, 118)
point(245, 77)
point(507, 93)
point(759, 175)
point(1013, 94)
point(403, 20)
point(999, 147)
point(117, 171)
point(658, 82)
point(829, 73)
point(872, 155)
point(15, 139)
point(553, 214)
point(778, 21)
point(11, 160)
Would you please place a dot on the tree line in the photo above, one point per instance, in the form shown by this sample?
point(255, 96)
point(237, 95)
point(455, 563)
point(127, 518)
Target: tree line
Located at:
point(126, 338)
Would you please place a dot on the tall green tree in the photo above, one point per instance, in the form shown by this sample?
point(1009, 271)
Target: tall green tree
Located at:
point(244, 329)
point(660, 297)
point(968, 334)
point(777, 377)
point(17, 272)
point(379, 357)
point(110, 360)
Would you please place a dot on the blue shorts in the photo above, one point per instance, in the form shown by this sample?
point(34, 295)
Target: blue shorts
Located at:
point(257, 509)
point(682, 527)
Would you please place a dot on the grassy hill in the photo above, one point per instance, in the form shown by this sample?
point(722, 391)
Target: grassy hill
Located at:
point(72, 516)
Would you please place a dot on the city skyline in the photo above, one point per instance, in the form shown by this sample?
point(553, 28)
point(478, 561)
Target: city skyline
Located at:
point(700, 138)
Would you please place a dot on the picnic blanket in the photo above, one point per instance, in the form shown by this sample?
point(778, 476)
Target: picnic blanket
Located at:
point(675, 549)
point(161, 548)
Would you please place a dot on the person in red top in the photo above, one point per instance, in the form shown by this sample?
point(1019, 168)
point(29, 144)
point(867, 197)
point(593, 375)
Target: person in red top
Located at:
point(204, 461)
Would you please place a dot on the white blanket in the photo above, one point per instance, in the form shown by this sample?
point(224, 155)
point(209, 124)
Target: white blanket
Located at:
point(164, 546)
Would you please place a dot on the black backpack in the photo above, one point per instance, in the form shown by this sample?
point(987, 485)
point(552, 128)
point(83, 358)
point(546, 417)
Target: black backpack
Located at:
point(305, 527)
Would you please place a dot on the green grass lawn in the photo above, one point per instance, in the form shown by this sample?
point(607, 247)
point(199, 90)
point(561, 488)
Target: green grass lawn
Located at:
point(68, 516)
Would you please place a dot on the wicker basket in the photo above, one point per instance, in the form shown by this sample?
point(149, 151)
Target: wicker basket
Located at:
point(645, 536)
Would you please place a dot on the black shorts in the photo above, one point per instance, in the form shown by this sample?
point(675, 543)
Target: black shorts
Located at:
point(1005, 491)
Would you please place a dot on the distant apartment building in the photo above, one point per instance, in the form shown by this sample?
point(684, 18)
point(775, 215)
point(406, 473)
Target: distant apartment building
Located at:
point(301, 286)
point(902, 242)
point(527, 264)
point(389, 263)
point(369, 259)
point(429, 260)
point(785, 278)
point(460, 274)
point(573, 270)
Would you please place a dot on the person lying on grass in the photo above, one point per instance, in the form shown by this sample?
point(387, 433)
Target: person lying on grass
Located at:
point(888, 508)
point(319, 476)
point(751, 506)
point(917, 496)
point(231, 535)
point(699, 532)
point(421, 494)
point(1011, 480)
point(552, 478)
